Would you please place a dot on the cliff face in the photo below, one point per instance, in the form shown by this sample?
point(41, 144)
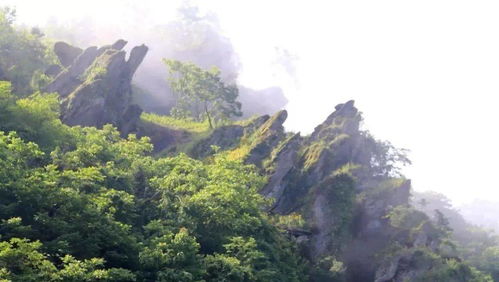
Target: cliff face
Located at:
point(95, 86)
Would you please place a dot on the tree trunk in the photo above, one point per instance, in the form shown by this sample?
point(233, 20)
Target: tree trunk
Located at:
point(208, 115)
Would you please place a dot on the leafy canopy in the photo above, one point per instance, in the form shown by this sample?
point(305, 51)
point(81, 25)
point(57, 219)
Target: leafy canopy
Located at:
point(23, 55)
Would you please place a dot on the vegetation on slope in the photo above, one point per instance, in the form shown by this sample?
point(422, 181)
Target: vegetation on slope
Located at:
point(176, 123)
point(24, 56)
point(96, 205)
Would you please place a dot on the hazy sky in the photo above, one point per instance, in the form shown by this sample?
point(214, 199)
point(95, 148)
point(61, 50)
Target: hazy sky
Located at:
point(424, 73)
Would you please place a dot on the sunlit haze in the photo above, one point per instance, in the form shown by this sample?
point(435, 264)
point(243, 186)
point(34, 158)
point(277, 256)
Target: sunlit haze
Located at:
point(424, 73)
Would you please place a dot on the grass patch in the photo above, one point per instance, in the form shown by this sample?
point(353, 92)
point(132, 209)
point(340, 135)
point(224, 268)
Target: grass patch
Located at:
point(247, 121)
point(239, 153)
point(174, 123)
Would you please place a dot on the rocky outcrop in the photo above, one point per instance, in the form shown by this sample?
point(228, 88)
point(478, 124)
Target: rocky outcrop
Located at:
point(95, 89)
point(267, 137)
point(313, 176)
point(164, 139)
point(333, 181)
point(411, 265)
point(283, 162)
point(66, 53)
point(53, 70)
point(405, 267)
point(225, 138)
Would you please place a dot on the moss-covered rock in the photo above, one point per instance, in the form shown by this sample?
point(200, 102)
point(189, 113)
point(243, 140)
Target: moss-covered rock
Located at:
point(95, 89)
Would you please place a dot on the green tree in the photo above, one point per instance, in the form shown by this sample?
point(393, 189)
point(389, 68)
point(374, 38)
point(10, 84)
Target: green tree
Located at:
point(201, 93)
point(23, 54)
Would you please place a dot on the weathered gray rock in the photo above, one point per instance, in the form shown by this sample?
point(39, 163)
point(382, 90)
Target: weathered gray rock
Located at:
point(255, 124)
point(66, 53)
point(283, 163)
point(407, 266)
point(345, 119)
point(119, 44)
point(96, 88)
point(137, 55)
point(226, 137)
point(163, 138)
point(269, 135)
point(68, 80)
point(53, 70)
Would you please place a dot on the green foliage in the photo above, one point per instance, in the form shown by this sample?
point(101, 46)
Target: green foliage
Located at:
point(35, 118)
point(478, 246)
point(329, 269)
point(405, 217)
point(171, 257)
point(22, 54)
point(94, 206)
point(385, 160)
point(341, 196)
point(312, 154)
point(447, 269)
point(486, 260)
point(290, 221)
point(21, 260)
point(202, 95)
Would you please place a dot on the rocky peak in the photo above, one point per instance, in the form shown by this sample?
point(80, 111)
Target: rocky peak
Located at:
point(345, 119)
point(66, 53)
point(267, 138)
point(95, 89)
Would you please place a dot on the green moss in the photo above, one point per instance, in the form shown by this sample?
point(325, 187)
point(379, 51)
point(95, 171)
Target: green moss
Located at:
point(246, 144)
point(265, 128)
point(270, 161)
point(339, 191)
point(95, 72)
point(312, 154)
point(98, 69)
point(239, 153)
point(346, 169)
point(338, 139)
point(290, 221)
point(246, 122)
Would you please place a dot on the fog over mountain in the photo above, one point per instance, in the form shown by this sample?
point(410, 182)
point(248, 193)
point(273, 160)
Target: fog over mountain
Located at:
point(424, 75)
point(219, 140)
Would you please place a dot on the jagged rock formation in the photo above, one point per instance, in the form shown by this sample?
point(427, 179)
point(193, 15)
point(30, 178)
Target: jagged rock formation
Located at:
point(332, 178)
point(339, 179)
point(95, 88)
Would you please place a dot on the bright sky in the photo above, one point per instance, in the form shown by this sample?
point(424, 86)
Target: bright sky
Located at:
point(424, 73)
